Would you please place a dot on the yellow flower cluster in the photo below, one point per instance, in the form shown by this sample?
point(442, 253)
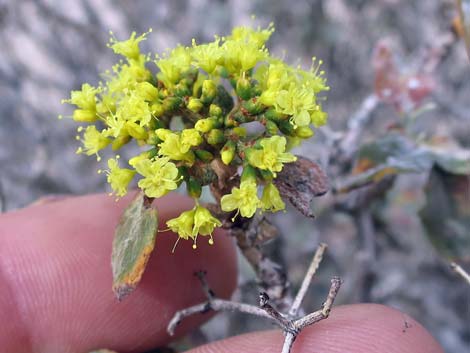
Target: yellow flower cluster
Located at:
point(210, 92)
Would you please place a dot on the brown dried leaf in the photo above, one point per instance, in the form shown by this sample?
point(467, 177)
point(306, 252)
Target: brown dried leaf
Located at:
point(133, 243)
point(300, 182)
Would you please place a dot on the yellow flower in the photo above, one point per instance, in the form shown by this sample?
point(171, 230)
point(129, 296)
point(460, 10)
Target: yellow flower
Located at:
point(183, 224)
point(244, 199)
point(130, 47)
point(204, 222)
point(160, 176)
point(271, 200)
point(85, 98)
point(173, 66)
point(119, 178)
point(272, 155)
point(93, 141)
point(298, 102)
point(190, 138)
point(207, 56)
point(190, 224)
point(134, 108)
point(173, 148)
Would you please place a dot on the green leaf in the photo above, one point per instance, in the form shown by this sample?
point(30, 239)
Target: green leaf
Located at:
point(446, 213)
point(133, 243)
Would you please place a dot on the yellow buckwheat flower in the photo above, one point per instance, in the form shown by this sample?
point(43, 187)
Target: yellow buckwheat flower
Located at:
point(173, 148)
point(85, 98)
point(119, 178)
point(204, 223)
point(160, 176)
point(244, 199)
point(272, 155)
point(271, 200)
point(183, 224)
point(93, 141)
point(190, 138)
point(130, 47)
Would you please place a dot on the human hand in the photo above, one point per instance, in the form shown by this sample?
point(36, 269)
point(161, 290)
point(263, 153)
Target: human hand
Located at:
point(55, 290)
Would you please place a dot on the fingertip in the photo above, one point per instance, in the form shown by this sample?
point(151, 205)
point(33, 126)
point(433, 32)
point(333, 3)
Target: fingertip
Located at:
point(55, 263)
point(360, 328)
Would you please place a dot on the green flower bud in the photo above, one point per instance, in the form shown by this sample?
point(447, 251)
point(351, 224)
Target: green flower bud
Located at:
point(136, 131)
point(194, 188)
point(273, 115)
point(239, 131)
point(194, 104)
point(271, 127)
point(204, 156)
point(171, 103)
point(215, 110)
point(84, 116)
point(228, 152)
point(243, 88)
point(182, 89)
point(304, 132)
point(215, 137)
point(253, 106)
point(206, 125)
point(209, 91)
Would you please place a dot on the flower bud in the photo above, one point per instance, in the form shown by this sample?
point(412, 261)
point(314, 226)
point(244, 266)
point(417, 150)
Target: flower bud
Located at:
point(273, 115)
point(84, 116)
point(271, 127)
point(215, 110)
point(228, 152)
point(253, 106)
point(182, 89)
point(303, 132)
point(171, 103)
point(215, 137)
point(243, 88)
point(209, 91)
point(204, 156)
point(205, 125)
point(240, 131)
point(194, 104)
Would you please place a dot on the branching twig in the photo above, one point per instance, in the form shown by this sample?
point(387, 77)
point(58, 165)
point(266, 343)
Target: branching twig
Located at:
point(290, 325)
point(460, 271)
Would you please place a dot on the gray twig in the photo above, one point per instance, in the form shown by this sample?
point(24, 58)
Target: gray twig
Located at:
point(312, 269)
point(290, 325)
point(460, 271)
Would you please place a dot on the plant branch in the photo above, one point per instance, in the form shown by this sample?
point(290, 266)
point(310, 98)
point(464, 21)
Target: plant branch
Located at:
point(312, 269)
point(290, 325)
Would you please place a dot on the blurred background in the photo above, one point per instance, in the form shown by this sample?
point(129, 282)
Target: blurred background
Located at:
point(51, 47)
